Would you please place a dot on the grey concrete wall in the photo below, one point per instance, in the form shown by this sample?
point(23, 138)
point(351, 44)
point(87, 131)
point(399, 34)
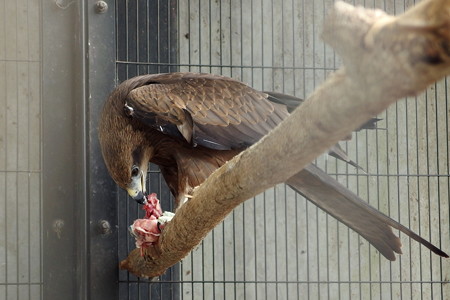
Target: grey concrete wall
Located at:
point(20, 150)
point(278, 244)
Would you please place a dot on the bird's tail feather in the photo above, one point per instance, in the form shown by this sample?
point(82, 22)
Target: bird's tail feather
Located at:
point(342, 204)
point(339, 153)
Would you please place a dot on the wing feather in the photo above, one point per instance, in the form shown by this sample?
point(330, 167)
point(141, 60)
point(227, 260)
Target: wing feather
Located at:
point(223, 110)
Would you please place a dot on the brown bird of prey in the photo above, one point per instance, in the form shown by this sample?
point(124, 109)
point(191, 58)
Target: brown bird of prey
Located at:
point(190, 124)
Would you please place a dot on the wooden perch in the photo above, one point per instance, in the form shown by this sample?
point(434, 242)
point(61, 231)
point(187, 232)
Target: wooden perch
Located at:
point(386, 58)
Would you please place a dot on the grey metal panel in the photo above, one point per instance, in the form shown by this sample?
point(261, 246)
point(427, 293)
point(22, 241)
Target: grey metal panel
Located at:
point(102, 191)
point(64, 218)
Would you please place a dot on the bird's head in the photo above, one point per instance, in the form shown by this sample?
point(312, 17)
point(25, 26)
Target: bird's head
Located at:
point(125, 151)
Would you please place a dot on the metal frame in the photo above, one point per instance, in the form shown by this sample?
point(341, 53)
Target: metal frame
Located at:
point(64, 138)
point(102, 191)
point(80, 259)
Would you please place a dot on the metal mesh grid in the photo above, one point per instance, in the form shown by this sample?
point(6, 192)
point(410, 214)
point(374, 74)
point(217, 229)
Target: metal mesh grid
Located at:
point(146, 43)
point(278, 245)
point(20, 155)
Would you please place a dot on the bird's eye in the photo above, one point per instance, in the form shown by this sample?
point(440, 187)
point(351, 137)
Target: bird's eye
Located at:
point(134, 171)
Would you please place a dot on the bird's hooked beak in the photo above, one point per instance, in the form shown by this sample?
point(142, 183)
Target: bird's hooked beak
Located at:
point(136, 189)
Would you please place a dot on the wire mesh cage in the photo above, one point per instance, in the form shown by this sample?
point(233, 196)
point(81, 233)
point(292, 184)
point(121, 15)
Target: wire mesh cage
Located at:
point(278, 245)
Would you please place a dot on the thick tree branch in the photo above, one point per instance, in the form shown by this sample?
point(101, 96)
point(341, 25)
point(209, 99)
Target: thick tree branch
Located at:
point(386, 58)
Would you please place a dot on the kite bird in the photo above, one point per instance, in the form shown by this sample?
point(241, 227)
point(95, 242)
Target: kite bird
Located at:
point(191, 124)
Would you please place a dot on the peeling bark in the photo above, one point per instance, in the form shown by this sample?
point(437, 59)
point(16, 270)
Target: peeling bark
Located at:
point(386, 58)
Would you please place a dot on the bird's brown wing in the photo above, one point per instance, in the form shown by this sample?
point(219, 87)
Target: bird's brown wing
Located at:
point(209, 110)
